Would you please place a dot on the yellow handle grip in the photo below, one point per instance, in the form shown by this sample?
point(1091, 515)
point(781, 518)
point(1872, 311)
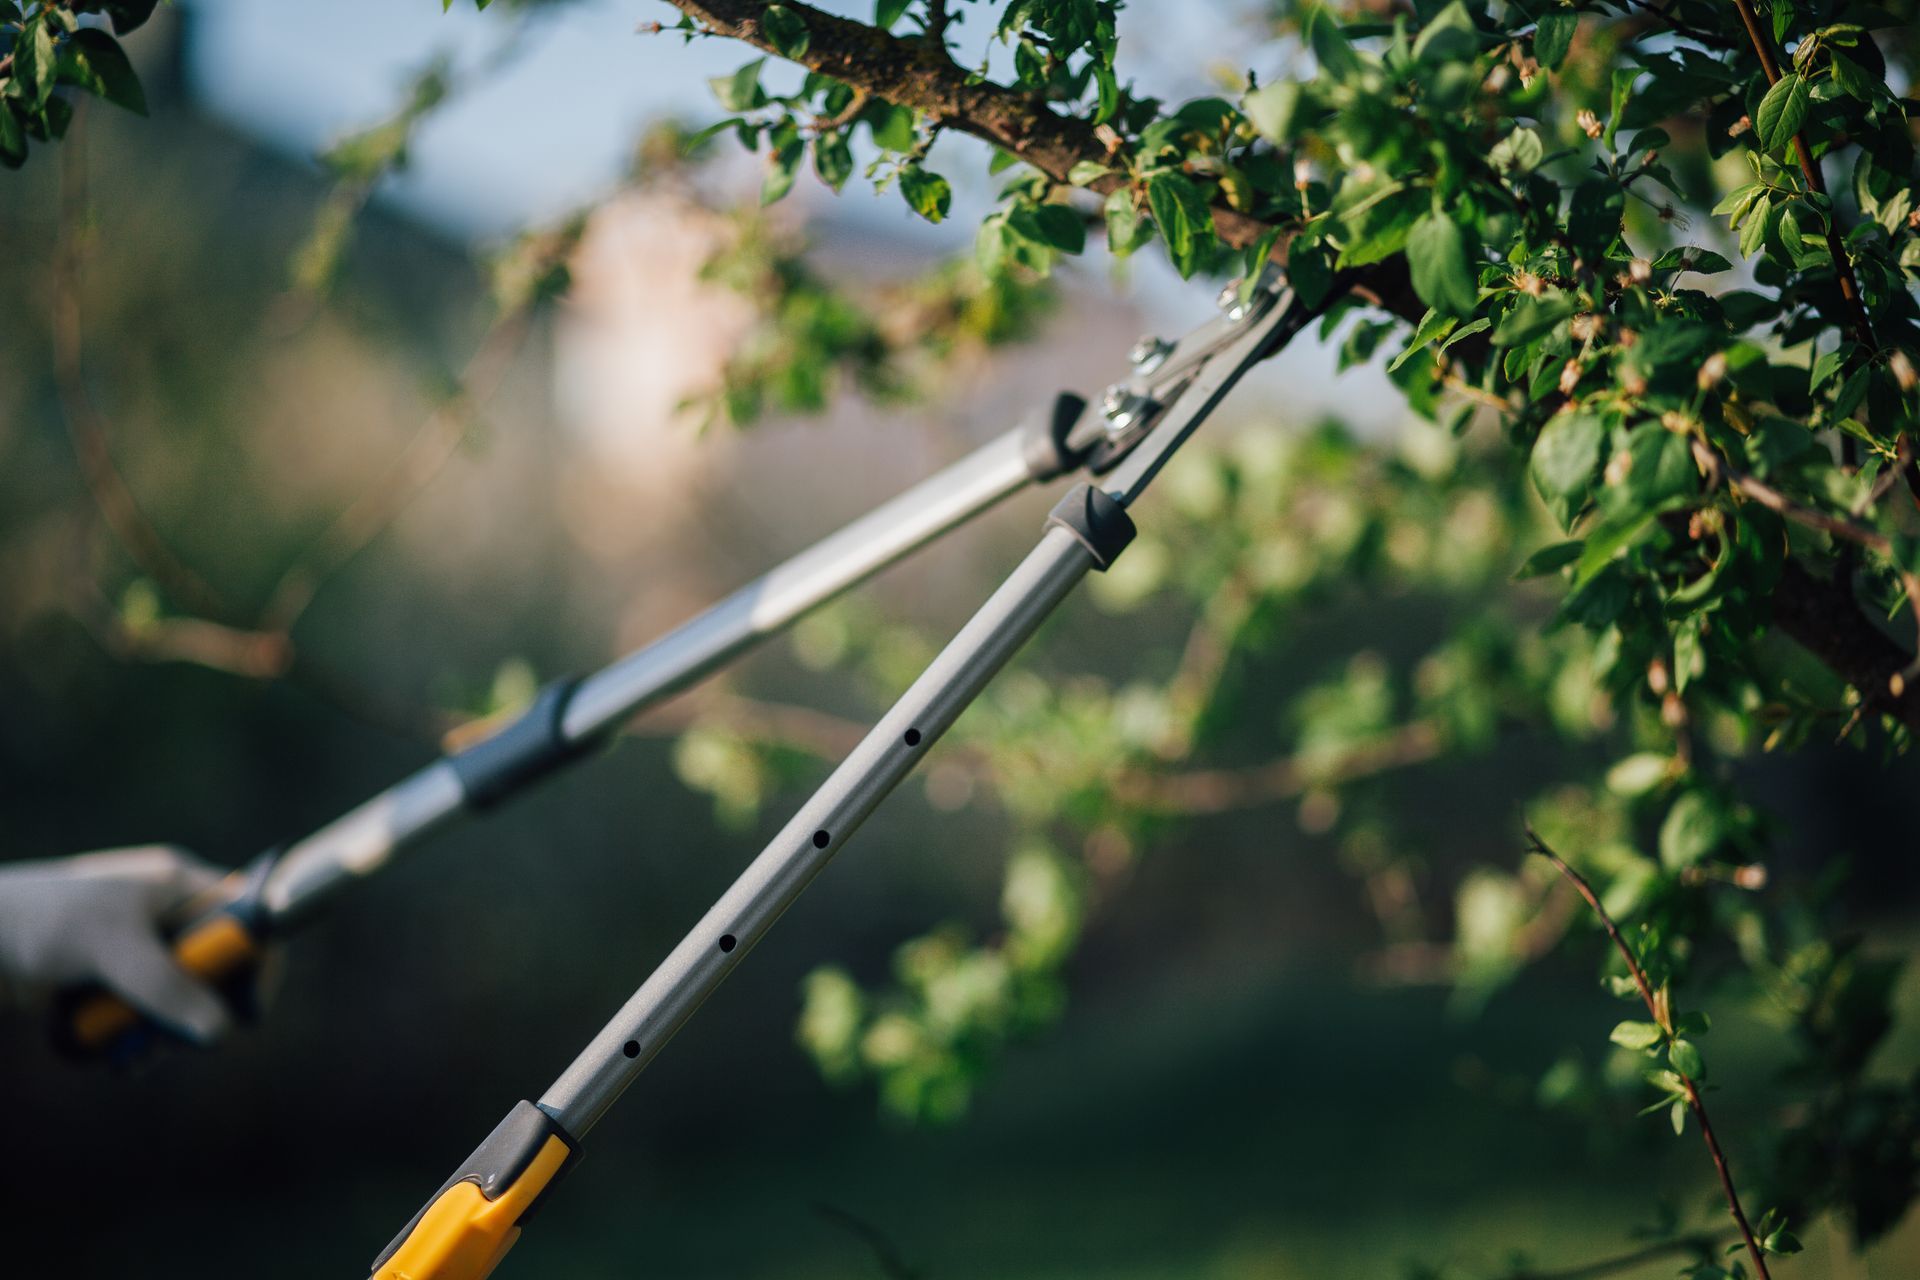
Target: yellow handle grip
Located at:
point(463, 1235)
point(218, 949)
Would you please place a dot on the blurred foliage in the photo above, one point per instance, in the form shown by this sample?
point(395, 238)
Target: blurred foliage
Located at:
point(815, 336)
point(1699, 454)
point(1667, 381)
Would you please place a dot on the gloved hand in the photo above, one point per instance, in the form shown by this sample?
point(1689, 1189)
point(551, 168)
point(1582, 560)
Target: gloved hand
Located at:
point(96, 918)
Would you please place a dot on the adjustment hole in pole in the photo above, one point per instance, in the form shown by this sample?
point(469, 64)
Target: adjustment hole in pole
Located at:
point(821, 839)
point(727, 942)
point(631, 1048)
point(913, 737)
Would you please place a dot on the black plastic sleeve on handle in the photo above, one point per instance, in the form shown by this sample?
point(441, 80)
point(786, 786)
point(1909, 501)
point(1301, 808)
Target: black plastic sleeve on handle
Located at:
point(497, 1164)
point(524, 752)
point(1097, 519)
point(1046, 446)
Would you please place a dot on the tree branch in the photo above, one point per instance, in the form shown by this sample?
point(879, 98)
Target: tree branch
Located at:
point(1701, 1246)
point(918, 73)
point(1660, 1007)
point(1201, 791)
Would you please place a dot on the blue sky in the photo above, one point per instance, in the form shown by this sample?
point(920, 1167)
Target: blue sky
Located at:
point(552, 127)
point(555, 125)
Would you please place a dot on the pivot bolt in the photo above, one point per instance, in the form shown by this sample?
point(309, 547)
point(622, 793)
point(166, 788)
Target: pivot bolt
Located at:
point(1122, 407)
point(1149, 353)
point(1231, 302)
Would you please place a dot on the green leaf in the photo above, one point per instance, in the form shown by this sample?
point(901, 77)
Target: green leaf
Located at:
point(13, 139)
point(740, 91)
point(832, 158)
point(1593, 215)
point(1606, 540)
point(1623, 78)
point(1636, 1035)
point(1181, 213)
point(1853, 78)
point(1686, 1059)
point(1443, 276)
point(130, 14)
point(1638, 773)
point(94, 61)
point(786, 31)
point(1107, 88)
point(1781, 112)
point(1753, 232)
point(1553, 37)
point(1694, 828)
point(1677, 1117)
point(1449, 38)
point(926, 193)
point(1689, 657)
point(33, 63)
point(1272, 108)
point(1087, 172)
point(888, 12)
point(892, 129)
point(1331, 48)
point(1662, 469)
point(1432, 326)
point(1309, 272)
point(783, 163)
point(1548, 559)
point(1564, 461)
point(1126, 229)
point(1060, 228)
point(1782, 1242)
point(1467, 330)
point(1519, 152)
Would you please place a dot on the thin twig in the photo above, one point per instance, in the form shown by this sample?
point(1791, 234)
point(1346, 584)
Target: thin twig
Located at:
point(1203, 791)
point(250, 655)
point(1195, 792)
point(112, 497)
point(1702, 1246)
point(851, 112)
point(411, 472)
point(1660, 1007)
point(1203, 662)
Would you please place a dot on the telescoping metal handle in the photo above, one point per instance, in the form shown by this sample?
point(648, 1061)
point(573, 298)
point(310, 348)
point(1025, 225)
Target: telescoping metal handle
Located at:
point(464, 1232)
point(570, 718)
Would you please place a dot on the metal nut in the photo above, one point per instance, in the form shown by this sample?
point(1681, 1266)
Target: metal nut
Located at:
point(1149, 353)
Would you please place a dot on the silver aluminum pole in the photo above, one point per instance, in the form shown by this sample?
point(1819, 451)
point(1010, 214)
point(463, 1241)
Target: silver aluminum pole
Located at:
point(1087, 529)
point(315, 869)
point(218, 935)
point(710, 951)
point(462, 1233)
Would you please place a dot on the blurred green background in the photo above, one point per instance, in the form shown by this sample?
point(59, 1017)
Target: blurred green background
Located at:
point(1232, 1091)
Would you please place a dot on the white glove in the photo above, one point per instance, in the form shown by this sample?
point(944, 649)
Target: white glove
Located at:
point(96, 918)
